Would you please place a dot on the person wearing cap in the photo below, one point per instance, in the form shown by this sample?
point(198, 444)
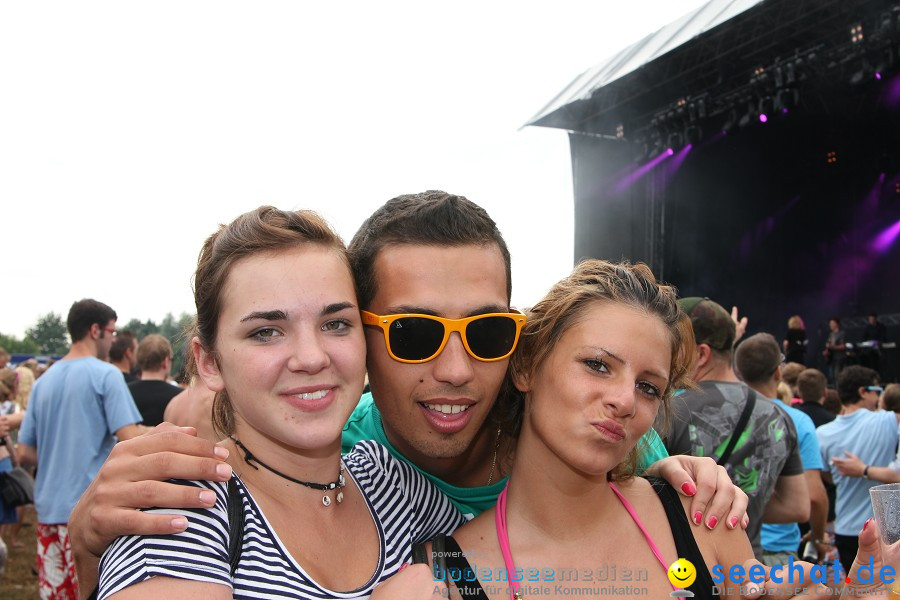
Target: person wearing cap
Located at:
point(759, 363)
point(763, 459)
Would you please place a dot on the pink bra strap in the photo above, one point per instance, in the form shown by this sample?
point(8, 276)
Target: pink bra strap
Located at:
point(503, 537)
point(503, 540)
point(637, 521)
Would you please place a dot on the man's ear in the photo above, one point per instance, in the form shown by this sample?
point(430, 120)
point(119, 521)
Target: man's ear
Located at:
point(777, 375)
point(521, 381)
point(704, 355)
point(207, 367)
point(94, 331)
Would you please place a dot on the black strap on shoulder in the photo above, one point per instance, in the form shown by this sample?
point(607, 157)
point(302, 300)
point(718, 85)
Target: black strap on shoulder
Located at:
point(683, 535)
point(235, 525)
point(740, 426)
point(462, 574)
point(419, 555)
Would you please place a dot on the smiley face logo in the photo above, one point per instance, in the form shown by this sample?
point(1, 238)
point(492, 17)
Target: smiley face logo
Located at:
point(682, 573)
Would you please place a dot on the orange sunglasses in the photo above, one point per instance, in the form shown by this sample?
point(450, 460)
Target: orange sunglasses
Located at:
point(414, 338)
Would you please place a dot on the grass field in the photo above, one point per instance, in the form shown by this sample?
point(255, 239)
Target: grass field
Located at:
point(19, 582)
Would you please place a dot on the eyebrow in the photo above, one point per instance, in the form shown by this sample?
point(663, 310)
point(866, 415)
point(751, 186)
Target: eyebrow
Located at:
point(280, 315)
point(421, 310)
point(266, 315)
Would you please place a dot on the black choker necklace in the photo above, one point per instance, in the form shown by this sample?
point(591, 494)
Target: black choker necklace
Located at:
point(326, 499)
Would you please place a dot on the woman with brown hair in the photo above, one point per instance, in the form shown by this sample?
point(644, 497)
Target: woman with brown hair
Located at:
point(280, 341)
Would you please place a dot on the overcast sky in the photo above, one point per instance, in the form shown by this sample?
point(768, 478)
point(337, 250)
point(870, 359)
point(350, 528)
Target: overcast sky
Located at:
point(129, 130)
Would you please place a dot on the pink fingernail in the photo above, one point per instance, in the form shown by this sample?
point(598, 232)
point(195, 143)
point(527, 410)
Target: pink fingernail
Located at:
point(207, 497)
point(221, 452)
point(698, 516)
point(734, 522)
point(711, 522)
point(179, 523)
point(403, 566)
point(689, 488)
point(867, 523)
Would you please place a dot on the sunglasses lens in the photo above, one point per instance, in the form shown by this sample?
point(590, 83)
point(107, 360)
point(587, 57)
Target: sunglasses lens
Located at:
point(413, 338)
point(491, 337)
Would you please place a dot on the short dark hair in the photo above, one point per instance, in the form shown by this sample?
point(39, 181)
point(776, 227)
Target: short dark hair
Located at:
point(811, 384)
point(124, 342)
point(851, 379)
point(757, 358)
point(836, 320)
point(85, 313)
point(431, 218)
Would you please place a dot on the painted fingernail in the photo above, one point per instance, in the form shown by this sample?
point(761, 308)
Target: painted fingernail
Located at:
point(223, 470)
point(698, 516)
point(711, 522)
point(179, 523)
point(221, 452)
point(207, 497)
point(403, 566)
point(866, 524)
point(689, 488)
point(734, 522)
point(746, 522)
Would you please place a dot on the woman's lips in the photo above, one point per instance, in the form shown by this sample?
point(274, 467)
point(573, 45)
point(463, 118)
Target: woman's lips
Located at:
point(610, 429)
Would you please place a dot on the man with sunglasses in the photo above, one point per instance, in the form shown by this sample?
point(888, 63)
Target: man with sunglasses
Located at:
point(864, 431)
point(433, 279)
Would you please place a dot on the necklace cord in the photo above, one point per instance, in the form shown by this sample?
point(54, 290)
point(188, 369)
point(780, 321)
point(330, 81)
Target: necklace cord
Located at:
point(248, 457)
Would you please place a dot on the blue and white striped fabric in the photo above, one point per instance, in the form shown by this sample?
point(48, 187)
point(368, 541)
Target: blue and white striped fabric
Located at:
point(406, 508)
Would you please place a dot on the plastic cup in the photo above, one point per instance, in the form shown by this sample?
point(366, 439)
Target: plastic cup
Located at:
point(886, 506)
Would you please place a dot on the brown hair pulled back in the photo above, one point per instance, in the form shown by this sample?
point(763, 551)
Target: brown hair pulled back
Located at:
point(266, 229)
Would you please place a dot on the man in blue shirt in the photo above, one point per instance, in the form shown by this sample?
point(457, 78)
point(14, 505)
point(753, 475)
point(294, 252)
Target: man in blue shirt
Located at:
point(759, 363)
point(866, 432)
point(77, 410)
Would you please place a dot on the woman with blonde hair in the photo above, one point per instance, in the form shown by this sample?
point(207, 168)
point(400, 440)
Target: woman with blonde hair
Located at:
point(795, 341)
point(599, 356)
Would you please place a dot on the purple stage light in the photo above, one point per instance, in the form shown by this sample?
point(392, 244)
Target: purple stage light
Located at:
point(763, 118)
point(670, 152)
point(784, 111)
point(883, 242)
point(631, 178)
point(892, 92)
point(878, 76)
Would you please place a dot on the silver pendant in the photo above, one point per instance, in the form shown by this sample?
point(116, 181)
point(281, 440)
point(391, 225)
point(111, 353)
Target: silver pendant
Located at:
point(340, 496)
point(326, 500)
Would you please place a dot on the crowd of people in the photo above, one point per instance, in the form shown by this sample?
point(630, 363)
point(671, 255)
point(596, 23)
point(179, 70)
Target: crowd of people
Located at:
point(611, 424)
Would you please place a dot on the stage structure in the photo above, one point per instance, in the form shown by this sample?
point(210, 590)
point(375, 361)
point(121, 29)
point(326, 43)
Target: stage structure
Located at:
point(749, 152)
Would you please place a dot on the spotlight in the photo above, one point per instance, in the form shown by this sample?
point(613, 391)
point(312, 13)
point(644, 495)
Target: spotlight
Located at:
point(620, 131)
point(856, 34)
point(831, 157)
point(763, 118)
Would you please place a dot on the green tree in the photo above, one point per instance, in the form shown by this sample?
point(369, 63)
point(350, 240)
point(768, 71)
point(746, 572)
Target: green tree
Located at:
point(14, 345)
point(49, 333)
point(141, 330)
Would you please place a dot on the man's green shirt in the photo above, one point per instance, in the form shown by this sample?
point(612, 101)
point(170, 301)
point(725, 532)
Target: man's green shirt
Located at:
point(365, 424)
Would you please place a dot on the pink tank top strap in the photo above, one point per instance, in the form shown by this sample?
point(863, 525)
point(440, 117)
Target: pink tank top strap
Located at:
point(637, 521)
